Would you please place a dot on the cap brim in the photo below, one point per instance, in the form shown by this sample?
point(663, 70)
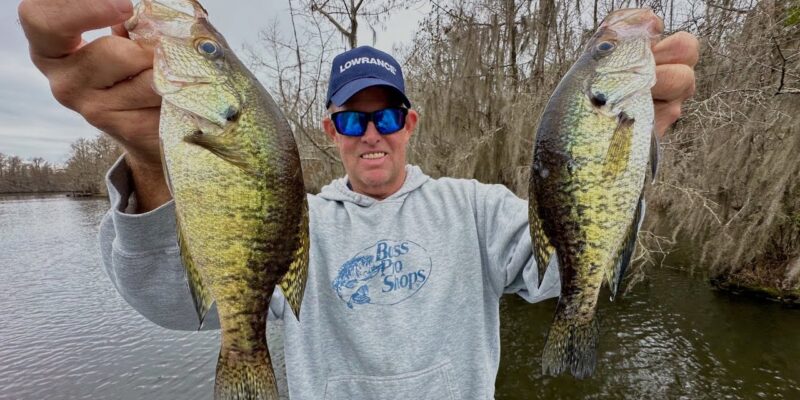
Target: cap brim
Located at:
point(349, 89)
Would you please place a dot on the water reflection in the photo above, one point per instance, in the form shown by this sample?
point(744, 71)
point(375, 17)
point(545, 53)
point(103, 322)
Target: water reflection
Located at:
point(671, 338)
point(66, 334)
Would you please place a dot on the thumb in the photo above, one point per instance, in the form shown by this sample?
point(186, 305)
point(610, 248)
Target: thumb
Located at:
point(119, 30)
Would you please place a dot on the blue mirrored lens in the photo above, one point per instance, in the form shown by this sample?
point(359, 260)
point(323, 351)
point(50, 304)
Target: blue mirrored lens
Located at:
point(389, 120)
point(354, 123)
point(351, 123)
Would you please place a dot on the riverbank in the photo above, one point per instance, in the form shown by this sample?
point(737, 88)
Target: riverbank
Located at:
point(774, 281)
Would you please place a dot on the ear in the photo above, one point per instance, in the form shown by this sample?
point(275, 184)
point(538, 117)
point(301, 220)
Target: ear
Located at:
point(411, 121)
point(330, 130)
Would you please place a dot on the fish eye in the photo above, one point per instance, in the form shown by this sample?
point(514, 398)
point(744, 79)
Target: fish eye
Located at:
point(605, 46)
point(209, 48)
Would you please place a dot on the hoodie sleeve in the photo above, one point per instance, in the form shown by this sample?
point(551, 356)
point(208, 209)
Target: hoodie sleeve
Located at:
point(506, 244)
point(140, 255)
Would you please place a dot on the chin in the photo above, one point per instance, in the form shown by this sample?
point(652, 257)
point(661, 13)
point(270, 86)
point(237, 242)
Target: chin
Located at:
point(375, 178)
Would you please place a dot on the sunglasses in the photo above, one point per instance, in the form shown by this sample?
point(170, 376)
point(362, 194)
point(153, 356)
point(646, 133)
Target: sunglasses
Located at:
point(354, 123)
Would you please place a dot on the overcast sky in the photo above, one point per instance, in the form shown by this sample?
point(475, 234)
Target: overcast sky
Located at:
point(33, 124)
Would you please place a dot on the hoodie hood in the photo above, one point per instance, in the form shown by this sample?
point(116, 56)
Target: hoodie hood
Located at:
point(337, 190)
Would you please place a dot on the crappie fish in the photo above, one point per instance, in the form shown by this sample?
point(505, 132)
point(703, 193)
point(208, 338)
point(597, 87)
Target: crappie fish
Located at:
point(591, 154)
point(356, 272)
point(233, 168)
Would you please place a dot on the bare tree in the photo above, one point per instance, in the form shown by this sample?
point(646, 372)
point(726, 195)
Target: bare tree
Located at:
point(344, 15)
point(88, 162)
point(480, 73)
point(19, 176)
point(480, 81)
point(3, 167)
point(297, 66)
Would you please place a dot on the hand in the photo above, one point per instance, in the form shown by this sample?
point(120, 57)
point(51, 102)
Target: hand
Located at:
point(107, 81)
point(676, 56)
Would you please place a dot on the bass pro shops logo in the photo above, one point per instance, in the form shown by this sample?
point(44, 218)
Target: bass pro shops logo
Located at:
point(385, 273)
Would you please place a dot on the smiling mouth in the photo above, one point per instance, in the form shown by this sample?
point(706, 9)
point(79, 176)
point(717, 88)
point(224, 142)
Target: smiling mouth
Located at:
point(373, 156)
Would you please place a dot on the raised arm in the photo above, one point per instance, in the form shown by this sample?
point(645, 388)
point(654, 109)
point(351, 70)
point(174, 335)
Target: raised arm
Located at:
point(107, 81)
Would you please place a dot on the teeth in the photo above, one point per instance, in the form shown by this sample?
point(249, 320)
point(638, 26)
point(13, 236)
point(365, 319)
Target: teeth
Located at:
point(372, 156)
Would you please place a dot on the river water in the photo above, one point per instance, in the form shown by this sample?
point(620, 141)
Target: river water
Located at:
point(66, 334)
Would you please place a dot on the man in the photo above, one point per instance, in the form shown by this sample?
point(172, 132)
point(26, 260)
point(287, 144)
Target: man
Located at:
point(405, 272)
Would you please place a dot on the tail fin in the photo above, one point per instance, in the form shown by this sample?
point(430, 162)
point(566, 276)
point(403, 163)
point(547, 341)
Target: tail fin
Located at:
point(245, 376)
point(571, 345)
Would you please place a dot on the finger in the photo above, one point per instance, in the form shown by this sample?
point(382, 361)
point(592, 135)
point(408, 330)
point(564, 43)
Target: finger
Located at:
point(137, 132)
point(108, 60)
point(54, 27)
point(132, 94)
point(666, 115)
point(99, 65)
point(678, 48)
point(102, 108)
point(673, 82)
point(119, 30)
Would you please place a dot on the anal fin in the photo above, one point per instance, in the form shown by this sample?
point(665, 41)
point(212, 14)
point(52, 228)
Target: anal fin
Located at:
point(628, 247)
point(293, 283)
point(543, 250)
point(203, 300)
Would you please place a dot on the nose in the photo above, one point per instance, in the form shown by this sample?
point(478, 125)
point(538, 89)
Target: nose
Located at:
point(371, 135)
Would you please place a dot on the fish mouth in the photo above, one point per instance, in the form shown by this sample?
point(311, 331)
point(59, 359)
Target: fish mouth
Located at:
point(634, 20)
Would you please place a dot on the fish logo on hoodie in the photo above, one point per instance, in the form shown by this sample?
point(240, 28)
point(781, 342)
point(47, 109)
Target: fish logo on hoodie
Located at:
point(386, 273)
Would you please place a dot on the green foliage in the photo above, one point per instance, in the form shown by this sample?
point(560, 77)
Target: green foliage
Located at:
point(793, 17)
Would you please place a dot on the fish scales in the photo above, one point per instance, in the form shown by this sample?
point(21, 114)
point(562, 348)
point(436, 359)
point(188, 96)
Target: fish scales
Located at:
point(234, 172)
point(590, 159)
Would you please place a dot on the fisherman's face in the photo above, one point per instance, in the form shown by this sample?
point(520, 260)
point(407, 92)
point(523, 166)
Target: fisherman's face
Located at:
point(375, 163)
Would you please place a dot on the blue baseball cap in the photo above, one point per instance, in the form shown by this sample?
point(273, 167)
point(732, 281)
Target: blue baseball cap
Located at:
point(360, 68)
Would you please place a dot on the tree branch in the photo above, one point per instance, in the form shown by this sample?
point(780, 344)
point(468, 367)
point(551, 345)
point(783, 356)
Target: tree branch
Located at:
point(736, 10)
point(335, 23)
point(297, 54)
point(783, 65)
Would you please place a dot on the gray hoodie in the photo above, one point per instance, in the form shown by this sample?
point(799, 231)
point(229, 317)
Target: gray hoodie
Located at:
point(402, 298)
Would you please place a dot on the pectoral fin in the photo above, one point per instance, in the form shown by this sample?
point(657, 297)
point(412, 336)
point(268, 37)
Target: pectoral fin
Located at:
point(165, 168)
point(293, 283)
point(225, 147)
point(615, 276)
point(655, 156)
point(619, 149)
point(203, 300)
